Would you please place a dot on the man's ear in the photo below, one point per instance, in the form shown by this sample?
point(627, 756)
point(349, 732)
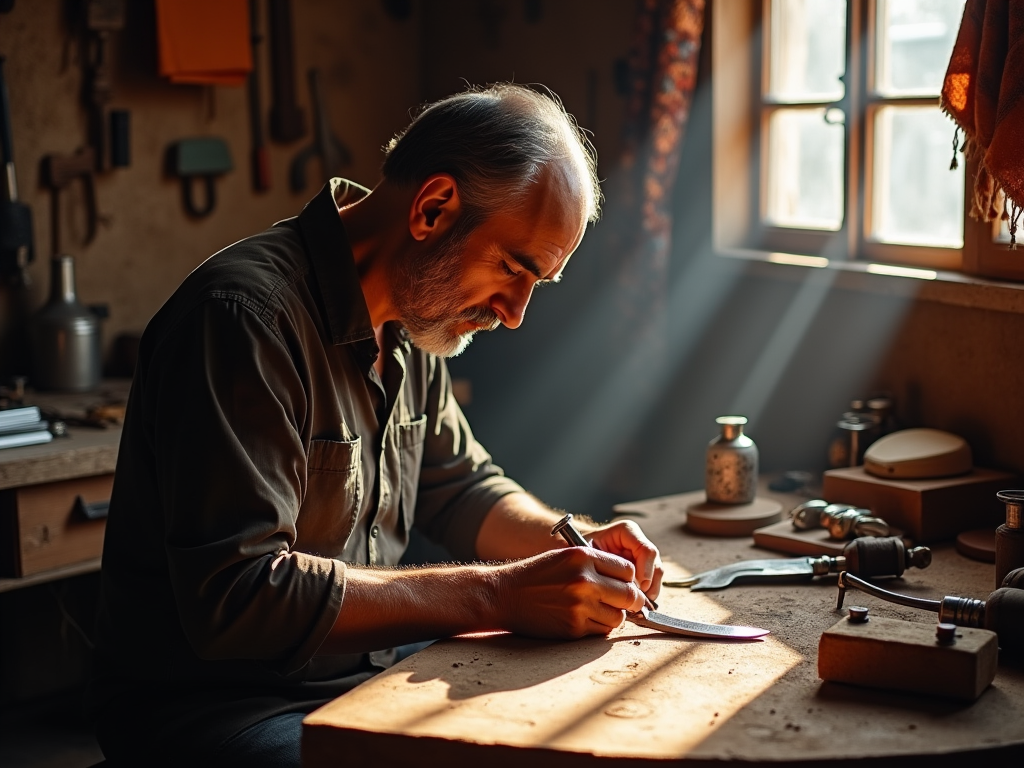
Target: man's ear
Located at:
point(435, 207)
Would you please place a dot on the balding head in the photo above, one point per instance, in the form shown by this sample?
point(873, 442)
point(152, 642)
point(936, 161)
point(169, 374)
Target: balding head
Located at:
point(496, 142)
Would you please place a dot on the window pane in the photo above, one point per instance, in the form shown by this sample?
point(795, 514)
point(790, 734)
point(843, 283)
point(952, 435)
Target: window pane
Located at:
point(917, 200)
point(807, 50)
point(805, 170)
point(1004, 232)
point(915, 40)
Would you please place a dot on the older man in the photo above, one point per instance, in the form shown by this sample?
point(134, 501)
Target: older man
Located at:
point(292, 419)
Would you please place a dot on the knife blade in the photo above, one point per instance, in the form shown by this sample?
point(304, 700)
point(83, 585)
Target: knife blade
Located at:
point(753, 570)
point(670, 624)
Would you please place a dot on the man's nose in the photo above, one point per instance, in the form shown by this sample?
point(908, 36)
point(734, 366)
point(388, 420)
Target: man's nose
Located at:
point(510, 305)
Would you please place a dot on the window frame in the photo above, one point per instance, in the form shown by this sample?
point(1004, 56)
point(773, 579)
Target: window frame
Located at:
point(741, 110)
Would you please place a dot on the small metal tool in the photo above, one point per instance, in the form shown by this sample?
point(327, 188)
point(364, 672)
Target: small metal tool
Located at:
point(1002, 612)
point(843, 521)
point(866, 556)
point(649, 619)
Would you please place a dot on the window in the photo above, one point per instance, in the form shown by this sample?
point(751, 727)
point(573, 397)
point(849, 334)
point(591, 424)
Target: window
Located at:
point(829, 138)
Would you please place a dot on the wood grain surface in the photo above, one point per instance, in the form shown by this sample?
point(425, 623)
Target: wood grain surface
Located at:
point(638, 696)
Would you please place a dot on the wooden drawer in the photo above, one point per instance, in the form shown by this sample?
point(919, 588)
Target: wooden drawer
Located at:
point(41, 529)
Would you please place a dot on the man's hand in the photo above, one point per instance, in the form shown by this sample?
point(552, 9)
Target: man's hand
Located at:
point(625, 539)
point(567, 593)
point(519, 526)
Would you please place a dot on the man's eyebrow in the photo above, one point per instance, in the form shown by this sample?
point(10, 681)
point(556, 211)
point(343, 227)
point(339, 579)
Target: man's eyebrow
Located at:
point(527, 262)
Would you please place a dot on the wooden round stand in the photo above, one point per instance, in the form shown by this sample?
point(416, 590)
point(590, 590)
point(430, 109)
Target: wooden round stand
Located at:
point(978, 544)
point(712, 519)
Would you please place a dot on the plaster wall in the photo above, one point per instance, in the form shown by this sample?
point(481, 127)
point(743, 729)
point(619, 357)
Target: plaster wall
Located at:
point(952, 367)
point(146, 242)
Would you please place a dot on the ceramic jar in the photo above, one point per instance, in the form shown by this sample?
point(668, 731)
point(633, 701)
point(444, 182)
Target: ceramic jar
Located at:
point(730, 475)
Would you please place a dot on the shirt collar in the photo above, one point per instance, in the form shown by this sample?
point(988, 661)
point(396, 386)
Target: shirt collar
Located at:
point(348, 318)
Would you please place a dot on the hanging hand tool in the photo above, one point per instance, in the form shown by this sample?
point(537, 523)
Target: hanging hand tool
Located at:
point(58, 172)
point(260, 158)
point(16, 249)
point(1002, 612)
point(652, 619)
point(205, 158)
point(102, 17)
point(287, 121)
point(332, 152)
point(866, 556)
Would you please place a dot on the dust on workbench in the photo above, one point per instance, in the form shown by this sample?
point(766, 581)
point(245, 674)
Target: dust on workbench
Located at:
point(101, 409)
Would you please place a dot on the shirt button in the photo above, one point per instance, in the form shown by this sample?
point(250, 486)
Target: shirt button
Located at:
point(374, 531)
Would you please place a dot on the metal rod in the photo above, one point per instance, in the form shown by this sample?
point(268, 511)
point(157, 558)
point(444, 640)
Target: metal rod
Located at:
point(568, 531)
point(848, 580)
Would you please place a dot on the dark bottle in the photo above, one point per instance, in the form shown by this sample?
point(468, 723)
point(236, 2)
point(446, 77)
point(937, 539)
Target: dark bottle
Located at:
point(1010, 536)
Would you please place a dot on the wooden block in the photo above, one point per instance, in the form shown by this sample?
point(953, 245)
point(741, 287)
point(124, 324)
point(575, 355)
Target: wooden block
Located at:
point(41, 530)
point(905, 656)
point(783, 537)
point(927, 510)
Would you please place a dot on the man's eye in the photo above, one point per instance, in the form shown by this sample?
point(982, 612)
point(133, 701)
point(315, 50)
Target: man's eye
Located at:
point(507, 269)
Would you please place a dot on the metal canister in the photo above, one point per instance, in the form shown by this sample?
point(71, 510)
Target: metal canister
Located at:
point(66, 352)
point(730, 475)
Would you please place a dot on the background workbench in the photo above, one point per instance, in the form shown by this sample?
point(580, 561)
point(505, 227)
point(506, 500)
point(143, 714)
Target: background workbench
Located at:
point(640, 697)
point(46, 618)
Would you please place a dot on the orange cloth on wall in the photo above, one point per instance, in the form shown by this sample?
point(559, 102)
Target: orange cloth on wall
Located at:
point(984, 93)
point(205, 42)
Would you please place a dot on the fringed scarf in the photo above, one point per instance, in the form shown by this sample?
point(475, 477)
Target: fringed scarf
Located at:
point(984, 93)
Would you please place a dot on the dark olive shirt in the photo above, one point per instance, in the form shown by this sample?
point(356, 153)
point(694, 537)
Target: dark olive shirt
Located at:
point(261, 455)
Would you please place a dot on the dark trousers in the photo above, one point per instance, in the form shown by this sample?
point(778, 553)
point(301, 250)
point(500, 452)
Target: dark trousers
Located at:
point(275, 741)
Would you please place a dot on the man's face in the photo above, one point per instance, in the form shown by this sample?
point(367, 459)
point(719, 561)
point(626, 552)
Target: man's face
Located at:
point(474, 281)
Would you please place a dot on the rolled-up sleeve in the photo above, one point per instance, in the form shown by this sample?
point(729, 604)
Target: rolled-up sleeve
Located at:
point(229, 407)
point(458, 481)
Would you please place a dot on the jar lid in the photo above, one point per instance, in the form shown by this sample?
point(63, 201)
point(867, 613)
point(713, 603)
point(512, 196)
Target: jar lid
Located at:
point(740, 420)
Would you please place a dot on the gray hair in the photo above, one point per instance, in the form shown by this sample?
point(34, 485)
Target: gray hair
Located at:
point(494, 142)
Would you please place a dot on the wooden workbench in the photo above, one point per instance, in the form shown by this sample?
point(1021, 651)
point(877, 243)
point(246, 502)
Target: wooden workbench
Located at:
point(642, 698)
point(85, 452)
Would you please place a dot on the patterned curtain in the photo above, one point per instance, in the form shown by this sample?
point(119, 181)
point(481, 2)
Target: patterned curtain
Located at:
point(663, 71)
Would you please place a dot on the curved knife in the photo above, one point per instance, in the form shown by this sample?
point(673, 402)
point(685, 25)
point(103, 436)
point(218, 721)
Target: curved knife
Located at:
point(794, 569)
point(866, 557)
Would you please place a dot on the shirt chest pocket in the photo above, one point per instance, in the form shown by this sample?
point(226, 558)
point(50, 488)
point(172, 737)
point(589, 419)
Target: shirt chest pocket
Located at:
point(410, 438)
point(334, 495)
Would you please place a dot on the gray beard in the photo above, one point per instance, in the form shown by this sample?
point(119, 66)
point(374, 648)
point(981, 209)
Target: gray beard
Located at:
point(422, 292)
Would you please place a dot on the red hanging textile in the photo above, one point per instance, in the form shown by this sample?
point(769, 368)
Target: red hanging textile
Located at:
point(984, 93)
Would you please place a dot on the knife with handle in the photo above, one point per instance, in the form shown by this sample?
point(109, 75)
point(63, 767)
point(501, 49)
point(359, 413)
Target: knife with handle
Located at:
point(867, 556)
point(652, 619)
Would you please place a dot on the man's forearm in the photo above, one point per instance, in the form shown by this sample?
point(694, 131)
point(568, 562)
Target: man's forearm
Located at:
point(517, 526)
point(383, 608)
point(537, 592)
